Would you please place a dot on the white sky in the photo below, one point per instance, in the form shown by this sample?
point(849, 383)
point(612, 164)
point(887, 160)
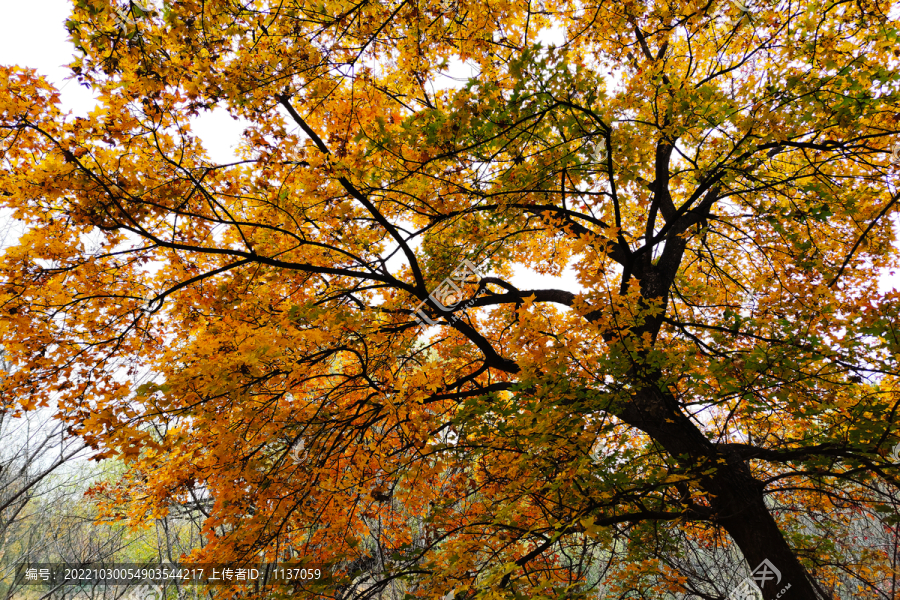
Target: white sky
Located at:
point(32, 34)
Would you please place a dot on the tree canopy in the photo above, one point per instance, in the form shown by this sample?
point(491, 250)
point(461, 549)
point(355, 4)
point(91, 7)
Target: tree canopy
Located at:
point(712, 384)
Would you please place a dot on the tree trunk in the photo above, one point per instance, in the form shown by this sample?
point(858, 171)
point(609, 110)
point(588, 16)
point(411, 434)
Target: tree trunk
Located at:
point(736, 497)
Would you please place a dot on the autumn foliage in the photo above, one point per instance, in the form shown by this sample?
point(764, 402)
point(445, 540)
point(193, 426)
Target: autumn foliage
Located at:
point(714, 372)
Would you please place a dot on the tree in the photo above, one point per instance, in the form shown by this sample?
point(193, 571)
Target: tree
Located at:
point(721, 366)
point(44, 517)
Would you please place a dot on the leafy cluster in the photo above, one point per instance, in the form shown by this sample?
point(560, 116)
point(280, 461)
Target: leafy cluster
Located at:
point(712, 382)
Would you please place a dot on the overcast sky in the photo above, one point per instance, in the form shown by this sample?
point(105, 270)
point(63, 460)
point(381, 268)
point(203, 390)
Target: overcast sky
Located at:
point(33, 34)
